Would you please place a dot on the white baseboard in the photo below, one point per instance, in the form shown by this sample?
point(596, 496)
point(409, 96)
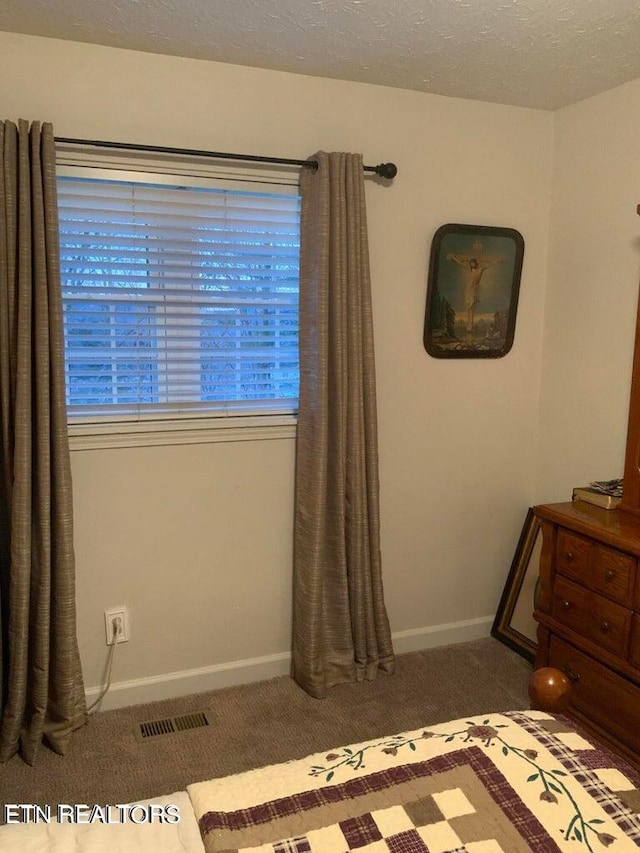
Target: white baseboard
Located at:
point(417, 639)
point(170, 685)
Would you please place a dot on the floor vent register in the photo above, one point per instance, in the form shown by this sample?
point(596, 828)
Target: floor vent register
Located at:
point(170, 725)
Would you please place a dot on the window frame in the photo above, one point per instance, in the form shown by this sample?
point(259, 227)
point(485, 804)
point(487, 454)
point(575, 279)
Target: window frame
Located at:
point(171, 426)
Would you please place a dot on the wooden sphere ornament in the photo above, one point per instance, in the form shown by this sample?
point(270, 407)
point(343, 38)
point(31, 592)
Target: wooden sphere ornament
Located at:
point(549, 690)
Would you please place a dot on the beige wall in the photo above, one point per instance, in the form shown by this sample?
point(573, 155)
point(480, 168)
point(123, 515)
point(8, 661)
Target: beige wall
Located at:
point(196, 540)
point(592, 291)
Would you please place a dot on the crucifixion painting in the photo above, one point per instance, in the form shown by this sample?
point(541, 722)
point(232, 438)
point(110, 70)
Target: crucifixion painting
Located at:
point(474, 280)
point(474, 263)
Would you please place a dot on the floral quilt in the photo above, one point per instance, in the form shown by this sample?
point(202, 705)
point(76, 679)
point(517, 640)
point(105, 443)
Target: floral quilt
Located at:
point(519, 782)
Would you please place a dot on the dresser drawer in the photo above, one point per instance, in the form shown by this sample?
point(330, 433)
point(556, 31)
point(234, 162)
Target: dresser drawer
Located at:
point(569, 605)
point(572, 554)
point(609, 624)
point(612, 573)
point(601, 695)
point(602, 569)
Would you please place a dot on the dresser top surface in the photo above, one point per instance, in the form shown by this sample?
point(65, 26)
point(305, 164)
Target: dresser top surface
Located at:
point(614, 527)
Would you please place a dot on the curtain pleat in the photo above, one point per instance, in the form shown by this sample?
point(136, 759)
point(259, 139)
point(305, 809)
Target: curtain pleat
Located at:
point(41, 688)
point(340, 625)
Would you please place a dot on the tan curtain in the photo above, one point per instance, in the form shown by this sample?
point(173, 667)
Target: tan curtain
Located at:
point(41, 690)
point(340, 626)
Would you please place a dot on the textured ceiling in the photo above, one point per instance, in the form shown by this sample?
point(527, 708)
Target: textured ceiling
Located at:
point(535, 53)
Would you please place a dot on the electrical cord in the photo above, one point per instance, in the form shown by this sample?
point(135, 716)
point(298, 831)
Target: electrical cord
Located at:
point(117, 629)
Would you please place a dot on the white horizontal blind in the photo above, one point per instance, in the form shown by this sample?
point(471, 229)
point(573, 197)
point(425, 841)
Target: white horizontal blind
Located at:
point(178, 299)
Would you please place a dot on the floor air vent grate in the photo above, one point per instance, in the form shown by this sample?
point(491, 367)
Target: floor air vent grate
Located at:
point(170, 725)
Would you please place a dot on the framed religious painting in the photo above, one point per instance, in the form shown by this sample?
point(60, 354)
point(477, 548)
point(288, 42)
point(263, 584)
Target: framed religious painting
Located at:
point(472, 293)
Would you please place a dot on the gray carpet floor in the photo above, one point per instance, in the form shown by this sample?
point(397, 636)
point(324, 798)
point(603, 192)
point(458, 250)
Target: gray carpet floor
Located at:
point(266, 722)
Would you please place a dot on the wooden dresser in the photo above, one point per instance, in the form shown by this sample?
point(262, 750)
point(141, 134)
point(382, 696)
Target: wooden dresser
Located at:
point(588, 603)
point(588, 613)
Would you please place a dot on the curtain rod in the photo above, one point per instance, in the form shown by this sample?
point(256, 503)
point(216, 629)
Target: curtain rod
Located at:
point(383, 170)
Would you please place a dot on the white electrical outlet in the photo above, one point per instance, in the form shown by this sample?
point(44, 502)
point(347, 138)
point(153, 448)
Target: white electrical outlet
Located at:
point(116, 625)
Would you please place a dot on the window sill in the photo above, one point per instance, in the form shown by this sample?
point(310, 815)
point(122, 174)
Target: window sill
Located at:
point(98, 436)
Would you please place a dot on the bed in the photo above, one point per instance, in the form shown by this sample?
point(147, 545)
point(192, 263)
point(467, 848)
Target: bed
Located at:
point(498, 783)
point(512, 782)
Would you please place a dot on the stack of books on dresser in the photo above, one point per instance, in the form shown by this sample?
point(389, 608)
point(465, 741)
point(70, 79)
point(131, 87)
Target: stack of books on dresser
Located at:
point(604, 493)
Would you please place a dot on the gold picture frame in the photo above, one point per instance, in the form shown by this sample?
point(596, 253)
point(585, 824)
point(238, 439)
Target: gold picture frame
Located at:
point(514, 624)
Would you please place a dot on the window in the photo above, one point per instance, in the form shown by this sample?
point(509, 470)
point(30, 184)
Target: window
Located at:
point(180, 296)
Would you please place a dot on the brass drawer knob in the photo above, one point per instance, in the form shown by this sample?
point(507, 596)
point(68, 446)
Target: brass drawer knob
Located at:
point(571, 674)
point(605, 626)
point(566, 605)
point(610, 575)
point(568, 556)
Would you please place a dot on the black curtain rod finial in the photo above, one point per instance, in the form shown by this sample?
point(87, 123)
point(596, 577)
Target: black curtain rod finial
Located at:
point(383, 170)
point(386, 170)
